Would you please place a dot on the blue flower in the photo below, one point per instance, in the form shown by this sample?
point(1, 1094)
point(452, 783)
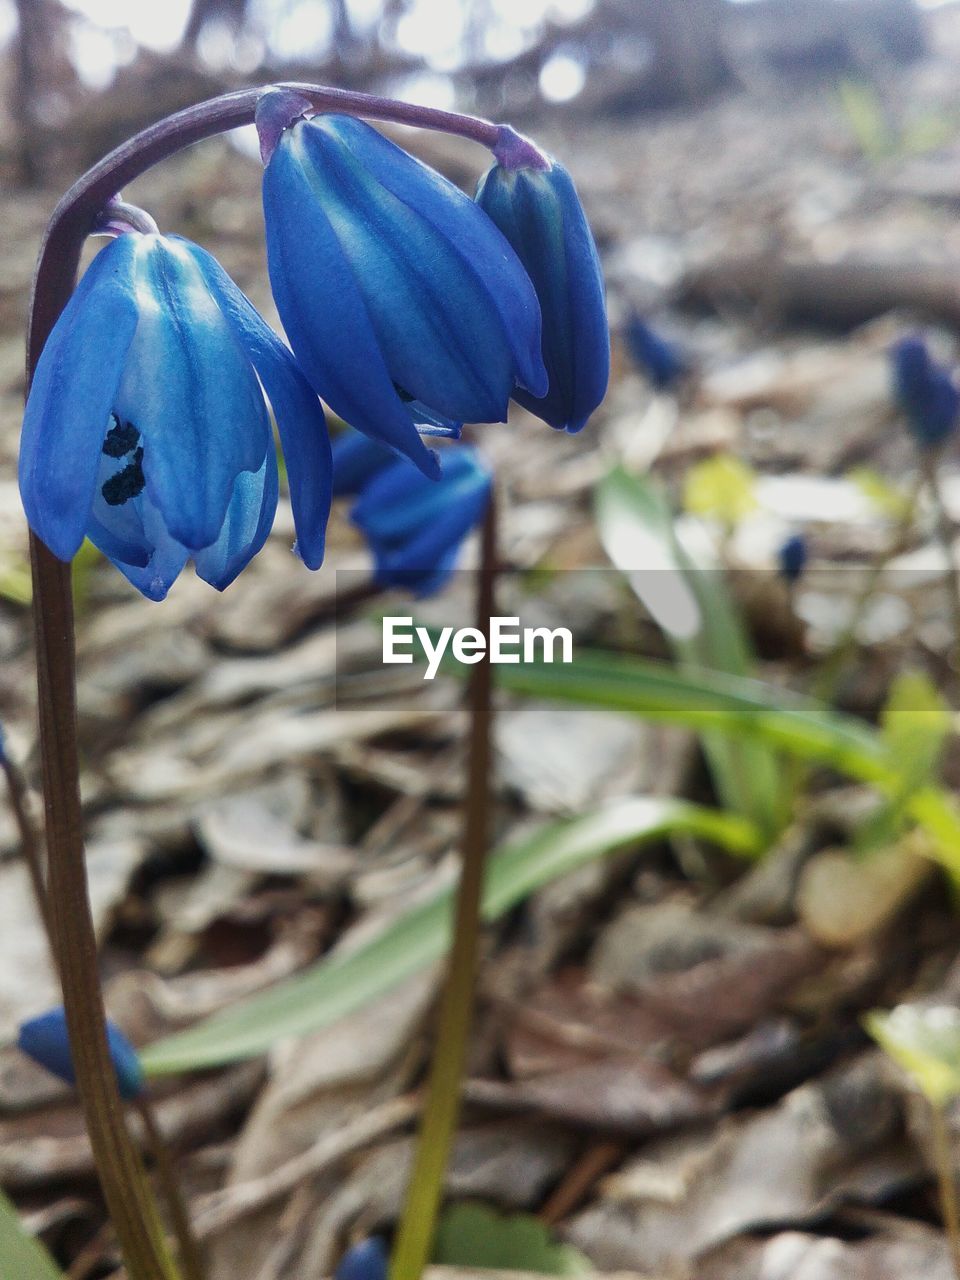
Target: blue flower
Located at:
point(415, 526)
point(663, 362)
point(539, 212)
point(404, 304)
point(45, 1040)
point(146, 428)
point(792, 558)
point(364, 1261)
point(925, 392)
point(356, 460)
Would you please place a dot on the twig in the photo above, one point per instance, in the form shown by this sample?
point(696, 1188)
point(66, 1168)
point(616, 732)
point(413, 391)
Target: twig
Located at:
point(943, 1160)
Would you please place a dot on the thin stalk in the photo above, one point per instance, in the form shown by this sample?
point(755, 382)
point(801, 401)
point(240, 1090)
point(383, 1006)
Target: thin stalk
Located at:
point(118, 1163)
point(825, 686)
point(188, 1247)
point(943, 1159)
point(29, 842)
point(435, 1140)
point(930, 461)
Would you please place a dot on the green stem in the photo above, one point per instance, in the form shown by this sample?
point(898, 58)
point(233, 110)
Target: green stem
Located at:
point(190, 1256)
point(943, 1159)
point(125, 1187)
point(425, 1189)
point(930, 462)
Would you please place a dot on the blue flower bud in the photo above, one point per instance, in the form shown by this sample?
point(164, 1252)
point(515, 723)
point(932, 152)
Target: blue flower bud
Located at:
point(792, 558)
point(45, 1040)
point(364, 1261)
point(404, 304)
point(146, 428)
point(539, 212)
point(925, 391)
point(663, 362)
point(416, 526)
point(356, 460)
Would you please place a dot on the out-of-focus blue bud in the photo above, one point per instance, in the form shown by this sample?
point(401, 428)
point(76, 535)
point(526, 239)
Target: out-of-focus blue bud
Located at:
point(364, 1261)
point(792, 558)
point(662, 361)
point(539, 212)
point(925, 391)
point(45, 1040)
point(416, 526)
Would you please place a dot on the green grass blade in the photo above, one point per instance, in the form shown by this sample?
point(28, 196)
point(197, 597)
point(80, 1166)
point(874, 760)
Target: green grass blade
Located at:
point(693, 608)
point(735, 707)
point(340, 984)
point(21, 1256)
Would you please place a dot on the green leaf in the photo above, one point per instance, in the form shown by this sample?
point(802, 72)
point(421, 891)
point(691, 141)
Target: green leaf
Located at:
point(915, 723)
point(472, 1235)
point(21, 1256)
point(867, 119)
point(341, 983)
point(721, 488)
point(740, 707)
point(925, 1041)
point(690, 603)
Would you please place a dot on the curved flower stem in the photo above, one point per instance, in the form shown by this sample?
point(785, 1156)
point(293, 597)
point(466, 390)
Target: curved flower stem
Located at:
point(435, 1140)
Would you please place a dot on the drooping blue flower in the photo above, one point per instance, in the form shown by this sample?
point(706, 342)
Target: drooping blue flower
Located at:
point(925, 391)
point(539, 212)
point(364, 1261)
point(146, 428)
point(356, 460)
point(405, 306)
point(415, 526)
point(45, 1040)
point(662, 361)
point(792, 558)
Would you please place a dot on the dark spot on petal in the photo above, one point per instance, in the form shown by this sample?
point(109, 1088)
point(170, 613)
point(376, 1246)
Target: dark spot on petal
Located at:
point(126, 484)
point(121, 439)
point(405, 396)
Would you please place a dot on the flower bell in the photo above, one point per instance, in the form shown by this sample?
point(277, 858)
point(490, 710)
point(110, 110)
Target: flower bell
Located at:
point(539, 212)
point(415, 526)
point(146, 428)
point(407, 309)
point(46, 1041)
point(925, 391)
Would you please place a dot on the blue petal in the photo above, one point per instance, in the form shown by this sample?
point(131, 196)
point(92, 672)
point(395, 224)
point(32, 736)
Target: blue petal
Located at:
point(300, 420)
point(364, 1261)
point(540, 214)
point(156, 563)
point(454, 311)
point(324, 314)
point(190, 390)
point(73, 392)
point(249, 520)
point(46, 1041)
